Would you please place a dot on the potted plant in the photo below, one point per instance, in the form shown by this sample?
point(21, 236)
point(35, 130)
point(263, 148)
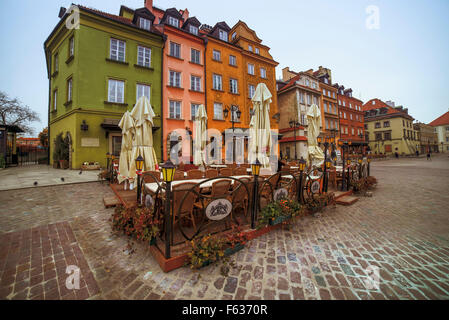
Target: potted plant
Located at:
point(235, 240)
point(204, 251)
point(137, 222)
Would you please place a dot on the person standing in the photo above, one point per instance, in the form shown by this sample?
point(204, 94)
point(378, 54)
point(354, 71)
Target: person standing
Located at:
point(428, 156)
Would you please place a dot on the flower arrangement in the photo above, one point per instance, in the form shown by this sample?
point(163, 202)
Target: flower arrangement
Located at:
point(205, 250)
point(316, 203)
point(136, 222)
point(361, 186)
point(236, 237)
point(279, 211)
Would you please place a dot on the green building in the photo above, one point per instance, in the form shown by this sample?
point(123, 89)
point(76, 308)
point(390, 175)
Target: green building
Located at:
point(98, 65)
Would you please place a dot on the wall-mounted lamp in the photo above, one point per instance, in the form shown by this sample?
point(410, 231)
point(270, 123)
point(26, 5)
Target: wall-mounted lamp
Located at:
point(84, 126)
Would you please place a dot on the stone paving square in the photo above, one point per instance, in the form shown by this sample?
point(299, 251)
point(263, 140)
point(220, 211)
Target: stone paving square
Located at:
point(403, 230)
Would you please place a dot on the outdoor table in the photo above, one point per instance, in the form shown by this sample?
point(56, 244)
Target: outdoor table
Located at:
point(218, 166)
point(153, 186)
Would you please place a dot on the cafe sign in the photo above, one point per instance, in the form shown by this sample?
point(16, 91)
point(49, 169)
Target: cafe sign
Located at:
point(281, 193)
point(218, 209)
point(315, 187)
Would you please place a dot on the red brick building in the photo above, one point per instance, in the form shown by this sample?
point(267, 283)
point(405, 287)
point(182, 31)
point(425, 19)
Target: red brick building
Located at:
point(350, 116)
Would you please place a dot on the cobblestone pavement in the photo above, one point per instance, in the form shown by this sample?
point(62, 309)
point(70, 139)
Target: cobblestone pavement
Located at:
point(403, 230)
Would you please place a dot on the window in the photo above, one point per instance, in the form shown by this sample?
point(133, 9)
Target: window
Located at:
point(350, 105)
point(324, 92)
point(344, 115)
point(118, 48)
point(193, 110)
point(233, 86)
point(333, 95)
point(234, 35)
point(309, 100)
point(346, 130)
point(350, 116)
point(55, 99)
point(193, 30)
point(315, 100)
point(387, 135)
point(307, 82)
point(250, 69)
point(223, 35)
point(218, 111)
point(175, 50)
point(175, 79)
point(144, 24)
point(374, 102)
point(116, 92)
point(386, 124)
point(447, 128)
point(56, 67)
point(232, 60)
point(325, 107)
point(344, 103)
point(257, 51)
point(342, 130)
point(216, 55)
point(377, 125)
point(314, 85)
point(263, 73)
point(303, 119)
point(328, 93)
point(339, 102)
point(173, 21)
point(195, 56)
point(175, 109)
point(195, 83)
point(217, 83)
point(352, 131)
point(71, 47)
point(301, 97)
point(250, 48)
point(69, 89)
point(144, 56)
point(379, 136)
point(326, 81)
point(143, 90)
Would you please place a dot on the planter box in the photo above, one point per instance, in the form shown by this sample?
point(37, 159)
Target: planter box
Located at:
point(90, 167)
point(279, 220)
point(236, 248)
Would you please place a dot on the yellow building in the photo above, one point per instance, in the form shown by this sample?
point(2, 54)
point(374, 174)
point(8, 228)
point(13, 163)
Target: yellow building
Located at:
point(389, 129)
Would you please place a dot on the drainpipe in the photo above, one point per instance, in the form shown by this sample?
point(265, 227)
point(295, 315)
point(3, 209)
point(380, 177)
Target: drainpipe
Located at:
point(205, 78)
point(49, 105)
point(164, 37)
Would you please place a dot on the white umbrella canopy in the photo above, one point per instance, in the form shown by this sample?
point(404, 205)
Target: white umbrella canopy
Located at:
point(260, 130)
point(142, 143)
point(316, 155)
point(127, 126)
point(199, 155)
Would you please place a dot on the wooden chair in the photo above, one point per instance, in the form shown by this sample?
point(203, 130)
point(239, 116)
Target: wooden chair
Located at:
point(241, 195)
point(153, 176)
point(195, 174)
point(225, 172)
point(179, 175)
point(186, 209)
point(240, 171)
point(219, 189)
point(285, 168)
point(211, 173)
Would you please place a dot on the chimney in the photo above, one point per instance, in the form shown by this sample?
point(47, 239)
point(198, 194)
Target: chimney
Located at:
point(149, 5)
point(185, 15)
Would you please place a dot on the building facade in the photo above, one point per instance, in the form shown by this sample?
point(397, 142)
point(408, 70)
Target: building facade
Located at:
point(351, 116)
point(428, 138)
point(441, 127)
point(97, 72)
point(296, 93)
point(389, 129)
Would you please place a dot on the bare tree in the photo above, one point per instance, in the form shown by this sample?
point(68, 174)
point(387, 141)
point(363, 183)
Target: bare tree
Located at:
point(13, 112)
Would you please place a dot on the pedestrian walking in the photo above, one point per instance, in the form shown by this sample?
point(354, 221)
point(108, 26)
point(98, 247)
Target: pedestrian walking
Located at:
point(396, 155)
point(428, 156)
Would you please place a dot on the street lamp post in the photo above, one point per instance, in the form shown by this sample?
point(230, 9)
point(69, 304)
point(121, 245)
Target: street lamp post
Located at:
point(343, 163)
point(255, 168)
point(293, 124)
point(168, 173)
point(302, 166)
point(234, 109)
point(139, 167)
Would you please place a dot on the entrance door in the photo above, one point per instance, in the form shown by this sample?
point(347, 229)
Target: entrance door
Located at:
point(115, 144)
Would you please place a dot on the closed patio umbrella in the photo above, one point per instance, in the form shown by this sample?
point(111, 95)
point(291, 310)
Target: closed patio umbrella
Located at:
point(127, 126)
point(316, 155)
point(260, 130)
point(142, 144)
point(199, 155)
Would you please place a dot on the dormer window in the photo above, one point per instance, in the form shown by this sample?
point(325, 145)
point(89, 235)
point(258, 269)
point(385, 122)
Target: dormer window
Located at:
point(173, 21)
point(234, 35)
point(326, 81)
point(223, 35)
point(144, 24)
point(193, 29)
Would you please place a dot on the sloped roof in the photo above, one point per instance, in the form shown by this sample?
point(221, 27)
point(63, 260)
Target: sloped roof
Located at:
point(441, 121)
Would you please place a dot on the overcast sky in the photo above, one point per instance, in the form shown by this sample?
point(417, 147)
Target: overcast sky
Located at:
point(405, 59)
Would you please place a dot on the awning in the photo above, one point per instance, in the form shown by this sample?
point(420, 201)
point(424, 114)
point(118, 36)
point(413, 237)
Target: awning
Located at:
point(112, 125)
